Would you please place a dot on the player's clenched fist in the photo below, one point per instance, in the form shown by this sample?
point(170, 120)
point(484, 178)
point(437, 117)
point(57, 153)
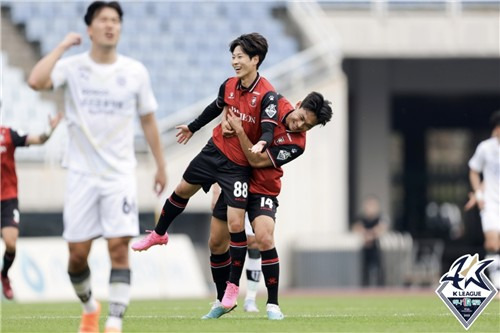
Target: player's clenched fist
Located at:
point(71, 39)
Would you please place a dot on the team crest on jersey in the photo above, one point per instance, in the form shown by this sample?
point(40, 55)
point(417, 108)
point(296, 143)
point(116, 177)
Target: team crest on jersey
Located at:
point(253, 102)
point(271, 110)
point(231, 95)
point(465, 290)
point(283, 155)
point(84, 72)
point(121, 81)
point(279, 140)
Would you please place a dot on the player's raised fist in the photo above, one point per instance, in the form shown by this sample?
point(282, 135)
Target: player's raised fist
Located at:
point(71, 39)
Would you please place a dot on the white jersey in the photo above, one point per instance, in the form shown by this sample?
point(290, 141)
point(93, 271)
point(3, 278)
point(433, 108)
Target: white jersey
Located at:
point(486, 160)
point(101, 104)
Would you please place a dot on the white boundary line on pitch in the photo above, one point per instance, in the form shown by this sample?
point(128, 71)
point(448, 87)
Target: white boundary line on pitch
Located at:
point(229, 316)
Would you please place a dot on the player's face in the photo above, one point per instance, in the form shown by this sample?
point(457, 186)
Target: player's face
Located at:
point(105, 28)
point(242, 64)
point(301, 120)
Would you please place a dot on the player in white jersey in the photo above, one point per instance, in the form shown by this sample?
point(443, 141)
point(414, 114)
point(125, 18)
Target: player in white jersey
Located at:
point(486, 161)
point(104, 91)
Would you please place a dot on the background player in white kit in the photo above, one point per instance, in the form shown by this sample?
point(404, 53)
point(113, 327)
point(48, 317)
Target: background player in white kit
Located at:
point(486, 161)
point(104, 91)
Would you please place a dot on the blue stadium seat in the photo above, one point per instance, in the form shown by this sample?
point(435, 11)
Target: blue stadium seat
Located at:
point(184, 45)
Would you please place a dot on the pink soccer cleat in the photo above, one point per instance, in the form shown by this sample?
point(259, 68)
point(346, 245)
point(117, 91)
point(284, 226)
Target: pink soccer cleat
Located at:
point(152, 239)
point(230, 295)
point(6, 288)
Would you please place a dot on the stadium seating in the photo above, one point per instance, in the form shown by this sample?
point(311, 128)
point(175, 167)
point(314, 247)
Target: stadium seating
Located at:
point(22, 108)
point(183, 44)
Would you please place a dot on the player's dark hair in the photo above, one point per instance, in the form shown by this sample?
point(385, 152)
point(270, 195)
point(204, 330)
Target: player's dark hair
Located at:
point(95, 7)
point(253, 44)
point(315, 102)
point(495, 119)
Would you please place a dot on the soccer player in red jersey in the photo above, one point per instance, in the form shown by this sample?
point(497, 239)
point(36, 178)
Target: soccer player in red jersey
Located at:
point(9, 141)
point(252, 99)
point(288, 143)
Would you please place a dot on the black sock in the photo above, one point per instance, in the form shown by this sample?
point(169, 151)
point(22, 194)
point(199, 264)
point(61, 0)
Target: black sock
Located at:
point(238, 252)
point(173, 207)
point(220, 265)
point(271, 271)
point(8, 259)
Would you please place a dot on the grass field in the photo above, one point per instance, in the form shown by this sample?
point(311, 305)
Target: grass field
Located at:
point(331, 312)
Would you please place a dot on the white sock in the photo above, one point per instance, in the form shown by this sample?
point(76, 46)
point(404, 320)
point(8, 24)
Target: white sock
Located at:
point(119, 298)
point(253, 271)
point(81, 285)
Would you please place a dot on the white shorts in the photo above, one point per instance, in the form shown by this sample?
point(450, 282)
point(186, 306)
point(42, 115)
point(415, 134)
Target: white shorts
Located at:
point(490, 220)
point(248, 227)
point(95, 206)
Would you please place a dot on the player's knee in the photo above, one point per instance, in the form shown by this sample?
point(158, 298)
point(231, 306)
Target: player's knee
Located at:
point(77, 260)
point(217, 245)
point(265, 241)
point(10, 244)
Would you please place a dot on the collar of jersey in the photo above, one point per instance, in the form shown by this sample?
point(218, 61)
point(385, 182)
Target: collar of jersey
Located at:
point(252, 86)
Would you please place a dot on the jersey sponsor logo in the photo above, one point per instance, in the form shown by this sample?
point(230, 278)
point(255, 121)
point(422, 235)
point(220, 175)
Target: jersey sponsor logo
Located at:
point(271, 110)
point(465, 290)
point(243, 116)
point(253, 102)
point(283, 155)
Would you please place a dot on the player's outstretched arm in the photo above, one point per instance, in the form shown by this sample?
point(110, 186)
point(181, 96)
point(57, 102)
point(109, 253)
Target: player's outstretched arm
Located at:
point(39, 139)
point(184, 134)
point(39, 78)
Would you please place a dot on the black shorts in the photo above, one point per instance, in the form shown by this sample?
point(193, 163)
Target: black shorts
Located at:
point(258, 204)
point(10, 213)
point(211, 166)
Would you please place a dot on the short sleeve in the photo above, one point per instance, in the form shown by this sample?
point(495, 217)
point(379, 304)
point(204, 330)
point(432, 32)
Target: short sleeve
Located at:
point(477, 161)
point(146, 99)
point(18, 139)
point(59, 74)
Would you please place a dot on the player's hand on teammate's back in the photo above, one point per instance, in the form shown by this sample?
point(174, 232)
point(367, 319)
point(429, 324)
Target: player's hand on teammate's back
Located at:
point(71, 39)
point(227, 130)
point(234, 121)
point(258, 147)
point(184, 134)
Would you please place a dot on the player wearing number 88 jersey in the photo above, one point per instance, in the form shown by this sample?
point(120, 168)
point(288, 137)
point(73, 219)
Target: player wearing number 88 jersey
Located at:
point(265, 185)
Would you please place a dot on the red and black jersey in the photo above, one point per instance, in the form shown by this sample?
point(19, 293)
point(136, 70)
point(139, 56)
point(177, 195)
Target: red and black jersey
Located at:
point(9, 140)
point(286, 147)
point(255, 105)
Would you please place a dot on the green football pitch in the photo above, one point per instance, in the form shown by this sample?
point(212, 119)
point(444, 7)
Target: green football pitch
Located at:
point(331, 312)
